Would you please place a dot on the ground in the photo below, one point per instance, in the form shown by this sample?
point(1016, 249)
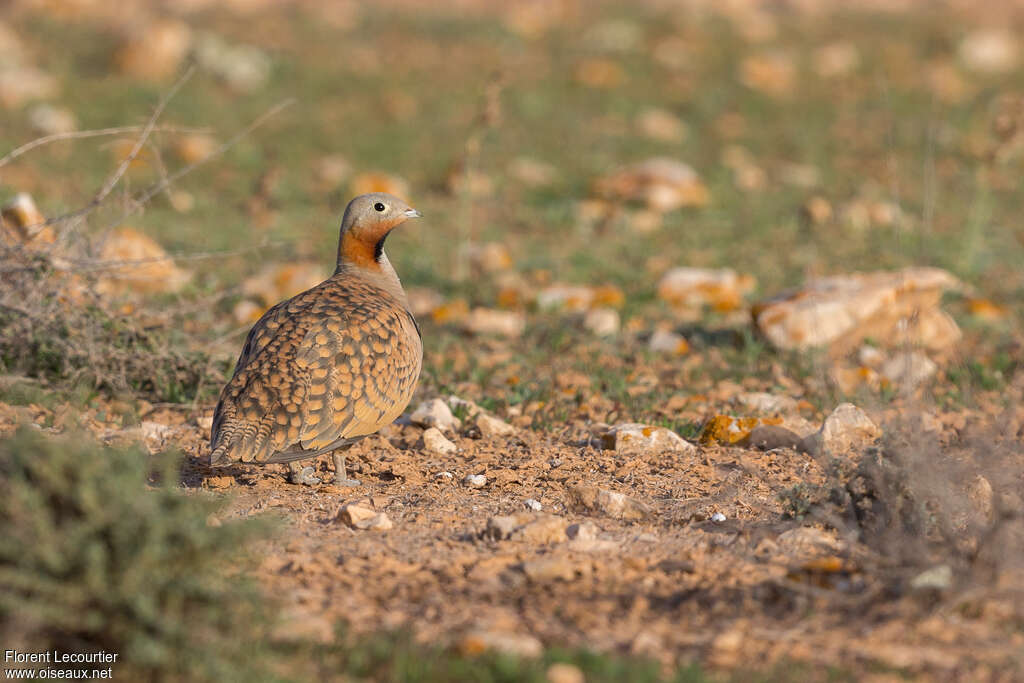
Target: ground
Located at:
point(825, 141)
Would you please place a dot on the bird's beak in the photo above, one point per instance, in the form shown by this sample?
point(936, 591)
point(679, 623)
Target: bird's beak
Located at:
point(412, 213)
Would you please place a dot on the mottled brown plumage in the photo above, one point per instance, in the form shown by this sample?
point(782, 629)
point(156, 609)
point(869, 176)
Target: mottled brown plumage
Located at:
point(330, 365)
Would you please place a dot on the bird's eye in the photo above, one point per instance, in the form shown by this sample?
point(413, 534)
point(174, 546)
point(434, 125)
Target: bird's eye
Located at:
point(378, 206)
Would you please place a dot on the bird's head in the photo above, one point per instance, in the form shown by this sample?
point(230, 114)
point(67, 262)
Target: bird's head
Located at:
point(367, 221)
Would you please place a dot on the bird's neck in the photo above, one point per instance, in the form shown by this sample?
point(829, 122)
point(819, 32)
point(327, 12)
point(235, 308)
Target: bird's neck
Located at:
point(377, 271)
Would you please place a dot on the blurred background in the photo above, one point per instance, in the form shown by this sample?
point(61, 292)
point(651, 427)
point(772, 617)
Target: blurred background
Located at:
point(183, 165)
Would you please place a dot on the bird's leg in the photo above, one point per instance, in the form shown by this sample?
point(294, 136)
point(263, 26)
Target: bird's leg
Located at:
point(340, 475)
point(302, 474)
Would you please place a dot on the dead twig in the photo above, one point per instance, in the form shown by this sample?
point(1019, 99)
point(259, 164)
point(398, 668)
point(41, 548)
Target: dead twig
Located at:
point(84, 134)
point(115, 177)
point(140, 200)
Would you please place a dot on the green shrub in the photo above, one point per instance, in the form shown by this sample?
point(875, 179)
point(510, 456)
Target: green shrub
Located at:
point(91, 558)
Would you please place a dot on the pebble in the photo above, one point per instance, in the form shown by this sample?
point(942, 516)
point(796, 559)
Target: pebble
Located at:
point(357, 515)
point(602, 322)
point(718, 517)
point(609, 503)
point(435, 413)
point(545, 569)
point(475, 480)
point(667, 341)
point(561, 672)
point(517, 644)
point(435, 442)
point(532, 504)
point(491, 426)
point(848, 427)
point(632, 438)
point(444, 475)
point(937, 578)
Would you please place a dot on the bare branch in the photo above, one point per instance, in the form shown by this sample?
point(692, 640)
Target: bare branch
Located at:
point(122, 168)
point(82, 134)
point(156, 188)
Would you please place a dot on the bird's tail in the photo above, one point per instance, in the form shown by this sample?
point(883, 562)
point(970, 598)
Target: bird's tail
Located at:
point(219, 455)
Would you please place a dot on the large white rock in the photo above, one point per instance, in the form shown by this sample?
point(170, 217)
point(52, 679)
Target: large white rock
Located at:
point(893, 308)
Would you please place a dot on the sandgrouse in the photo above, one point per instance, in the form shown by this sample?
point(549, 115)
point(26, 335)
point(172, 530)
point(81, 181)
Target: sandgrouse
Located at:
point(330, 365)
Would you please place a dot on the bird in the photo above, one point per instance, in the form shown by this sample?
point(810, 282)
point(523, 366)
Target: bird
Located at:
point(333, 364)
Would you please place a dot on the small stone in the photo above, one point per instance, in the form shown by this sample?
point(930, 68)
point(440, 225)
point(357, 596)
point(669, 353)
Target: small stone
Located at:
point(378, 522)
point(155, 435)
point(532, 504)
point(354, 514)
point(532, 172)
point(435, 442)
point(582, 531)
point(938, 578)
point(193, 148)
point(982, 498)
point(470, 408)
point(475, 481)
point(909, 370)
point(870, 357)
point(49, 120)
point(663, 184)
point(772, 73)
point(603, 322)
point(444, 475)
point(817, 211)
point(600, 73)
point(489, 257)
point(135, 263)
point(23, 84)
point(543, 529)
point(661, 124)
point(500, 527)
point(491, 427)
point(667, 341)
point(836, 59)
point(547, 569)
point(847, 428)
point(565, 297)
point(516, 644)
point(156, 52)
point(721, 289)
point(527, 528)
point(218, 482)
point(763, 402)
point(803, 542)
point(243, 68)
point(718, 517)
point(639, 439)
point(609, 503)
point(561, 672)
point(990, 51)
point(436, 413)
point(23, 222)
point(489, 321)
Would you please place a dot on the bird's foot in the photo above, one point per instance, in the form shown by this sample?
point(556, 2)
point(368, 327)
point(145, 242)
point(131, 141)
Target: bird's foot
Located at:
point(303, 475)
point(340, 474)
